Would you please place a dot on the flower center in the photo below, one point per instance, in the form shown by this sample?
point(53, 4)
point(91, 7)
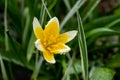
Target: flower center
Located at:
point(49, 41)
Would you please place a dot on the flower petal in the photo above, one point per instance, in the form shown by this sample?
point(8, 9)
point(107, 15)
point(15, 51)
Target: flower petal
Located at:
point(37, 28)
point(49, 57)
point(71, 35)
point(63, 38)
point(59, 48)
point(38, 45)
point(52, 28)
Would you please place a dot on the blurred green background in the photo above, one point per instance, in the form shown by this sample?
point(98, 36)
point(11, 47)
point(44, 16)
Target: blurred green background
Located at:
point(20, 60)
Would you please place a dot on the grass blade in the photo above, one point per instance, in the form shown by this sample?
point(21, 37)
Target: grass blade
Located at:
point(100, 31)
point(83, 48)
point(6, 26)
point(15, 51)
point(26, 29)
point(67, 3)
point(69, 66)
point(38, 61)
point(113, 23)
point(38, 65)
point(92, 5)
point(42, 14)
point(31, 47)
point(46, 9)
point(5, 77)
point(78, 4)
point(99, 22)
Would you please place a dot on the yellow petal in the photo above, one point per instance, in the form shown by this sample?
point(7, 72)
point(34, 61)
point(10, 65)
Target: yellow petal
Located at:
point(63, 38)
point(38, 45)
point(59, 48)
point(37, 28)
point(71, 35)
point(49, 57)
point(52, 28)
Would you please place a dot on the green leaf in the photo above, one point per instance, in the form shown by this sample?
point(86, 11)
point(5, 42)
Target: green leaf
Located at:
point(14, 53)
point(77, 5)
point(102, 74)
point(116, 21)
point(6, 26)
point(46, 9)
point(11, 57)
point(90, 7)
point(67, 4)
point(100, 22)
point(15, 15)
point(76, 68)
point(51, 4)
point(100, 31)
point(114, 61)
point(30, 47)
point(3, 70)
point(26, 30)
point(82, 48)
point(67, 72)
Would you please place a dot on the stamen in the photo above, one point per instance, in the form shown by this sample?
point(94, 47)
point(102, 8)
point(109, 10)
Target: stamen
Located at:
point(48, 48)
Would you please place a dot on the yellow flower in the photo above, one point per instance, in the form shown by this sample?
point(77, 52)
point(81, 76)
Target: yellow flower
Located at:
point(50, 41)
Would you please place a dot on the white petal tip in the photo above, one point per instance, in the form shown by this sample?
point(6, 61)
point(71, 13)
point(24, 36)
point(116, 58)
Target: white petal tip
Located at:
point(36, 23)
point(74, 32)
point(35, 20)
point(38, 45)
point(53, 19)
point(63, 51)
point(71, 34)
point(52, 61)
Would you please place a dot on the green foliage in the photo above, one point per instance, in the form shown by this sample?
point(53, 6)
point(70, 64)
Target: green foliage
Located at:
point(5, 77)
point(114, 61)
point(97, 47)
point(107, 74)
point(82, 48)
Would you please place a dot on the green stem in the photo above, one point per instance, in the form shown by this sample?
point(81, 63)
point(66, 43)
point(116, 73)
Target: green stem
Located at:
point(73, 68)
point(46, 9)
point(3, 70)
point(75, 72)
point(36, 61)
point(42, 14)
point(69, 66)
point(6, 26)
point(83, 48)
